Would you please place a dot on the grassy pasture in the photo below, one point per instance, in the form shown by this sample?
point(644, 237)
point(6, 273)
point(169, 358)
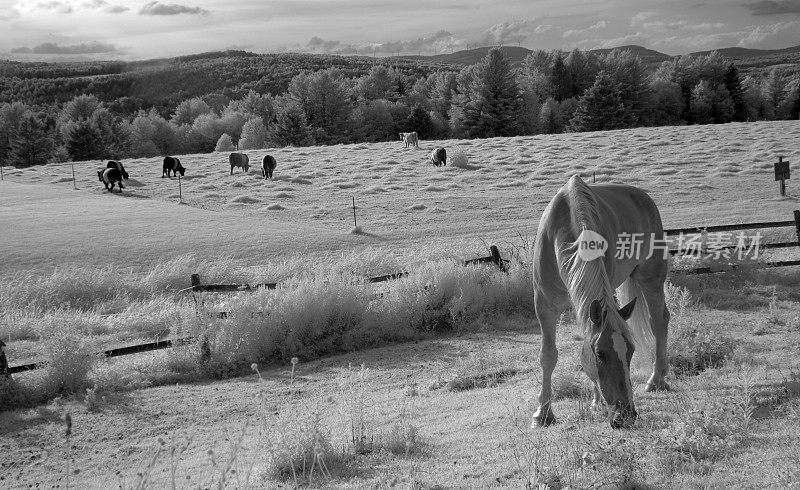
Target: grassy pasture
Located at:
point(450, 411)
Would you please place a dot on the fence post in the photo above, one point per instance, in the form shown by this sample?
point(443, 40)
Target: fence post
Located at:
point(4, 374)
point(1, 172)
point(496, 258)
point(797, 224)
point(74, 185)
point(195, 282)
point(180, 191)
point(355, 224)
point(205, 348)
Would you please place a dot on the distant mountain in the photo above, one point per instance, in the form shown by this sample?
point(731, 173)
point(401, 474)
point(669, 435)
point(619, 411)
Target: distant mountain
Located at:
point(648, 56)
point(742, 53)
point(516, 54)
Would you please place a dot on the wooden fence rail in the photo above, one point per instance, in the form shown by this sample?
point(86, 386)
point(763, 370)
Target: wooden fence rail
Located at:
point(118, 351)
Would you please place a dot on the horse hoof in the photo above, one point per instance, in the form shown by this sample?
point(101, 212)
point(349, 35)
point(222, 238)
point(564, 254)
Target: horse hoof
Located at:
point(543, 417)
point(651, 386)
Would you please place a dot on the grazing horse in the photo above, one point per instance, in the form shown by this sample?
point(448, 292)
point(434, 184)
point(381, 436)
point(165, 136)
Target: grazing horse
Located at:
point(268, 165)
point(172, 166)
point(439, 157)
point(118, 165)
point(584, 250)
point(410, 139)
point(239, 160)
point(109, 176)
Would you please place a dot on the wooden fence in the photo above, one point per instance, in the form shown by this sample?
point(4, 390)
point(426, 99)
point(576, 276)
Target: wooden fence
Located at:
point(495, 258)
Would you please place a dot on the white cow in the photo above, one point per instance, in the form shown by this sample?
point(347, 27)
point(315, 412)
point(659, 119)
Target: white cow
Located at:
point(410, 139)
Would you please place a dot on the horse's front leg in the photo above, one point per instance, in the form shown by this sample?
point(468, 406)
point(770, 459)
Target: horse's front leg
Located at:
point(548, 358)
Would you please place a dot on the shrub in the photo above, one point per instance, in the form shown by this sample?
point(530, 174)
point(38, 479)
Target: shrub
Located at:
point(224, 143)
point(67, 363)
point(458, 158)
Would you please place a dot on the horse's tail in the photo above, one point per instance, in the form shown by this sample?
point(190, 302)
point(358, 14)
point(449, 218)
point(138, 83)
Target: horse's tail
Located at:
point(639, 321)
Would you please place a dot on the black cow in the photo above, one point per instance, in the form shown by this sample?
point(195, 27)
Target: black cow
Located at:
point(268, 165)
point(118, 165)
point(239, 160)
point(172, 166)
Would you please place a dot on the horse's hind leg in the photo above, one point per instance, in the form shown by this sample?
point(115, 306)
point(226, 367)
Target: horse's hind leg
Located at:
point(650, 282)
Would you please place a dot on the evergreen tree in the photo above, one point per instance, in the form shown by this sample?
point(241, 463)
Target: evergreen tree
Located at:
point(374, 121)
point(772, 89)
point(629, 75)
point(114, 139)
point(550, 121)
point(495, 100)
point(795, 114)
point(734, 86)
point(560, 79)
point(11, 115)
point(84, 142)
point(601, 107)
point(30, 144)
point(291, 128)
point(420, 121)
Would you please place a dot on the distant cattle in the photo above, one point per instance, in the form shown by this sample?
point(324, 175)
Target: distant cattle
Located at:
point(172, 166)
point(439, 157)
point(109, 177)
point(268, 165)
point(239, 160)
point(118, 165)
point(410, 139)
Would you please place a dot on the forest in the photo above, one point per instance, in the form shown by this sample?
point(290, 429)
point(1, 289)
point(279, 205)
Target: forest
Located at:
point(58, 112)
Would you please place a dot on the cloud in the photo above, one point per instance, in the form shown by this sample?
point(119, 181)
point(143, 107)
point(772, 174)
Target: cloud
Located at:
point(682, 24)
point(772, 7)
point(158, 8)
point(765, 36)
point(103, 5)
point(641, 17)
point(512, 32)
point(594, 27)
point(93, 47)
point(55, 6)
point(436, 43)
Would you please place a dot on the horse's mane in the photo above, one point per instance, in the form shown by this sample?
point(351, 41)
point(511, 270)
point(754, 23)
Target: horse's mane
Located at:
point(586, 280)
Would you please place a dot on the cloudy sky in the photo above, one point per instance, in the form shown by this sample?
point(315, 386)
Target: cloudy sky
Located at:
point(141, 29)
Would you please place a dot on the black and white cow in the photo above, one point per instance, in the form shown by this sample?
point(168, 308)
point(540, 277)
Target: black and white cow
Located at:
point(109, 177)
point(172, 166)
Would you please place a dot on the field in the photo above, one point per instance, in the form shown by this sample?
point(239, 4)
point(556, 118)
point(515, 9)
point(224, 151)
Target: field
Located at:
point(427, 408)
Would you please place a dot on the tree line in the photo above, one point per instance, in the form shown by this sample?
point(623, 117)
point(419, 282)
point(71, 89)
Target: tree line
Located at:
point(549, 92)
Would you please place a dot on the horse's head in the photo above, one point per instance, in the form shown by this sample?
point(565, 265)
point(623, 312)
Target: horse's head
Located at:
point(181, 170)
point(606, 359)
